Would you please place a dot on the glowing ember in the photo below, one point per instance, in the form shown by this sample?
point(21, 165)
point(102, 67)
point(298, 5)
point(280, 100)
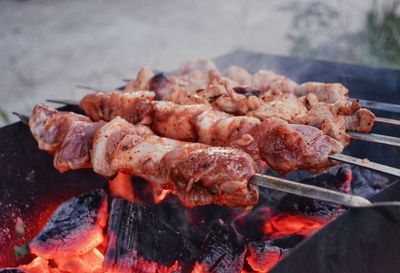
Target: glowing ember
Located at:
point(159, 195)
point(75, 228)
point(38, 265)
point(285, 224)
point(90, 262)
point(121, 186)
point(263, 256)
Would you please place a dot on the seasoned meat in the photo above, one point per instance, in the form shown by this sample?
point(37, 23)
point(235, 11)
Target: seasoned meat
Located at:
point(106, 140)
point(196, 173)
point(265, 94)
point(175, 121)
point(133, 106)
point(142, 81)
point(203, 123)
point(337, 118)
point(287, 147)
point(68, 136)
point(326, 92)
point(285, 106)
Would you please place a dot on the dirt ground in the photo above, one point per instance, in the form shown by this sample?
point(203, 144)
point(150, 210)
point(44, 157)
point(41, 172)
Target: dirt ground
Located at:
point(48, 47)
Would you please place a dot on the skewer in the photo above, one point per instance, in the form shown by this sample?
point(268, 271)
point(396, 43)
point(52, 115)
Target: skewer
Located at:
point(366, 164)
point(387, 121)
point(375, 105)
point(292, 187)
point(309, 191)
point(374, 138)
point(91, 88)
point(23, 118)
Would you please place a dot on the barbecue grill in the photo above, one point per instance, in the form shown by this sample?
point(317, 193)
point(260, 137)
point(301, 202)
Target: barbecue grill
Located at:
point(361, 240)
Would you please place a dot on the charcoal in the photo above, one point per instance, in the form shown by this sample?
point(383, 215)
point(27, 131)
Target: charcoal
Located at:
point(11, 270)
point(139, 241)
point(157, 83)
point(263, 255)
point(223, 251)
point(367, 183)
point(339, 181)
point(251, 225)
point(74, 228)
point(247, 91)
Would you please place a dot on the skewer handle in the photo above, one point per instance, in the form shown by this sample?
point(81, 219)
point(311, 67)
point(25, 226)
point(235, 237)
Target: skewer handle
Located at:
point(310, 191)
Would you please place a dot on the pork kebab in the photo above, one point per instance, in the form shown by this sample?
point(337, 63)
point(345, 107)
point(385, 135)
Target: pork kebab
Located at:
point(285, 147)
point(196, 173)
point(263, 95)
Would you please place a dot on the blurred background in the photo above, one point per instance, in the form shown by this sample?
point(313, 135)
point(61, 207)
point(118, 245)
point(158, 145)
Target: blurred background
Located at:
point(47, 47)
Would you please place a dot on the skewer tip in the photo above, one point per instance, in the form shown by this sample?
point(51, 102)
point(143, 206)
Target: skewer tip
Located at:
point(67, 102)
point(23, 118)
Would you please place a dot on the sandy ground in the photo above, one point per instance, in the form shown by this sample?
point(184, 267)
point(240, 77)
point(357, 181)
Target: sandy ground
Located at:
point(47, 47)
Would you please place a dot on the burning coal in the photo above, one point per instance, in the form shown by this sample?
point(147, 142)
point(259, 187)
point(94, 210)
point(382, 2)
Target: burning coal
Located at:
point(146, 230)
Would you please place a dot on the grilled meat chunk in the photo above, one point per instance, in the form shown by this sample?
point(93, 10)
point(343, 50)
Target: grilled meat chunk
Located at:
point(287, 147)
point(67, 136)
point(133, 107)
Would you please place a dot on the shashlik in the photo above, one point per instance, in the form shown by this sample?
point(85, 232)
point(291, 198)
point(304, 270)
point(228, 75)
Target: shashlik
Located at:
point(263, 95)
point(196, 173)
point(285, 147)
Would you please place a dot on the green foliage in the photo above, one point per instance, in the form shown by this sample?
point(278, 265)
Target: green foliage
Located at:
point(4, 117)
point(318, 31)
point(383, 36)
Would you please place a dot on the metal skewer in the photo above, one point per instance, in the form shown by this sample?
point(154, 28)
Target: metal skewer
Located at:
point(309, 191)
point(366, 164)
point(292, 187)
point(375, 105)
point(375, 138)
point(387, 121)
point(91, 88)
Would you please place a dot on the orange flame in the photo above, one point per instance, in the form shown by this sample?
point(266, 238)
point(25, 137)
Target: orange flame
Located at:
point(159, 194)
point(121, 186)
point(287, 224)
point(198, 268)
point(90, 262)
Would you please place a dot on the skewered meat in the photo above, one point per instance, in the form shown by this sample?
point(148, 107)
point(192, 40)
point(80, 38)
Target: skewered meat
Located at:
point(285, 106)
point(335, 119)
point(265, 94)
point(68, 137)
point(196, 173)
point(325, 92)
point(196, 75)
point(142, 82)
point(133, 107)
point(308, 149)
